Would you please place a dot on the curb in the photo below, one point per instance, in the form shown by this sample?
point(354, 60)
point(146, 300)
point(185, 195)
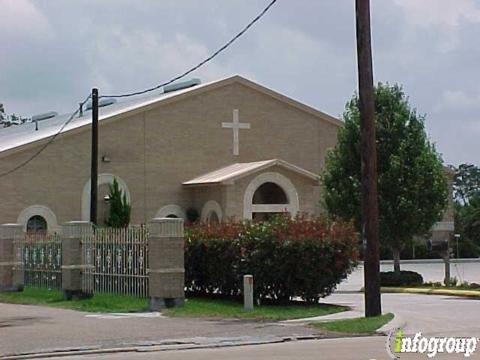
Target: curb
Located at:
point(349, 314)
point(446, 292)
point(396, 323)
point(166, 345)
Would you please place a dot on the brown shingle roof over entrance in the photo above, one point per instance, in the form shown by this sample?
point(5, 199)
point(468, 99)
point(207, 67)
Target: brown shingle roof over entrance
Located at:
point(236, 171)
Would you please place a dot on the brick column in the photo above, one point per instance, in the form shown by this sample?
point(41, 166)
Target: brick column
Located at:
point(72, 234)
point(166, 263)
point(11, 271)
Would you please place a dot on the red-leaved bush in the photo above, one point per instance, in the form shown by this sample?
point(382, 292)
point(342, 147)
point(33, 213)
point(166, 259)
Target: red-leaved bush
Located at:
point(301, 257)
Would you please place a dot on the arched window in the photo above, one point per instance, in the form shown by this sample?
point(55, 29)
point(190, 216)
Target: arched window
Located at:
point(37, 225)
point(171, 211)
point(269, 193)
point(44, 215)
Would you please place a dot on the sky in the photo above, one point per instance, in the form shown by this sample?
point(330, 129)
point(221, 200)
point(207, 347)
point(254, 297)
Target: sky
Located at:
point(54, 52)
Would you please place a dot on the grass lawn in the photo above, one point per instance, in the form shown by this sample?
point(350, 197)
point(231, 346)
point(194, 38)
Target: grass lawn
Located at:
point(355, 326)
point(195, 307)
point(98, 303)
point(221, 308)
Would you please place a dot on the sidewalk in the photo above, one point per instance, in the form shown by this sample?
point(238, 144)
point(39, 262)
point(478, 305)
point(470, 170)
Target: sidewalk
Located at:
point(26, 328)
point(355, 312)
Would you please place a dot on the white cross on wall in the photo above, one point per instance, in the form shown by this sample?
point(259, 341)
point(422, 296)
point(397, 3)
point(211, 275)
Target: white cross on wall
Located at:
point(236, 125)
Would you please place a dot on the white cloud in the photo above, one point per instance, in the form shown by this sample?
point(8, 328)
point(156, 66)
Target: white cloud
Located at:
point(144, 58)
point(458, 100)
point(22, 18)
point(56, 51)
point(440, 12)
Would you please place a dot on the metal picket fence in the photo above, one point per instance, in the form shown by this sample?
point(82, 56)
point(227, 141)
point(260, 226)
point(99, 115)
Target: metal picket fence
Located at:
point(116, 261)
point(40, 257)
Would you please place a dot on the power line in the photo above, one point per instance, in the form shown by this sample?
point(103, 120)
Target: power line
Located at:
point(189, 71)
point(196, 67)
point(39, 151)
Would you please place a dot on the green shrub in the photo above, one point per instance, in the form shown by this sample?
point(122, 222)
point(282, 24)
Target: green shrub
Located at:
point(288, 258)
point(120, 209)
point(436, 284)
point(192, 215)
point(404, 278)
point(474, 285)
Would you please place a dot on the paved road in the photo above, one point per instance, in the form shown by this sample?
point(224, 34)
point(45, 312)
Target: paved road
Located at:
point(366, 348)
point(431, 271)
point(429, 314)
point(32, 328)
point(26, 328)
point(332, 349)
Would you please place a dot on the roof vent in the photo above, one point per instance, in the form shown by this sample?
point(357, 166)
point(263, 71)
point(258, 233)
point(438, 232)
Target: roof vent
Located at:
point(44, 116)
point(101, 103)
point(181, 85)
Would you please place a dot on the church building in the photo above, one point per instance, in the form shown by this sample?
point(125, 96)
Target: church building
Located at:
point(226, 149)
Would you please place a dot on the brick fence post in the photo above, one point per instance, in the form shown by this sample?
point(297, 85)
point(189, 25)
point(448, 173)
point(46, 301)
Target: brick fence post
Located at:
point(11, 271)
point(72, 234)
point(166, 263)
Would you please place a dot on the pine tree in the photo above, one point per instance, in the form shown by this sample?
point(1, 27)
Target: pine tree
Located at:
point(120, 209)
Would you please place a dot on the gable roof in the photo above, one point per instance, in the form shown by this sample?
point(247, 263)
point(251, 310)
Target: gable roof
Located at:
point(17, 137)
point(229, 174)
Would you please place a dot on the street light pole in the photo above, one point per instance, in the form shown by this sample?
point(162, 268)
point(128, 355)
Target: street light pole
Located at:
point(369, 160)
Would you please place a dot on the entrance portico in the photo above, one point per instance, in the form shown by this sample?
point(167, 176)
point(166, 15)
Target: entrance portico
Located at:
point(254, 191)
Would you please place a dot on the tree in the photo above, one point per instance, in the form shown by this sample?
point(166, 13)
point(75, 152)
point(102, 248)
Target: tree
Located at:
point(470, 219)
point(9, 120)
point(466, 183)
point(412, 185)
point(466, 189)
point(119, 207)
point(2, 114)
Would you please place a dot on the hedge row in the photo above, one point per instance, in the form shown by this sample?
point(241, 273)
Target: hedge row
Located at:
point(288, 258)
point(404, 278)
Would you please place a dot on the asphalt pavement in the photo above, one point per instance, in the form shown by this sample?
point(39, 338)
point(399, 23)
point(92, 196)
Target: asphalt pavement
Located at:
point(34, 328)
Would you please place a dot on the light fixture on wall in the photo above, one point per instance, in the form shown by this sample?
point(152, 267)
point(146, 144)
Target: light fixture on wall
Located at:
point(106, 198)
point(106, 159)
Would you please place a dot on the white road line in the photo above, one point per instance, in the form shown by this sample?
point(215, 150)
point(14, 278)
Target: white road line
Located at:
point(125, 315)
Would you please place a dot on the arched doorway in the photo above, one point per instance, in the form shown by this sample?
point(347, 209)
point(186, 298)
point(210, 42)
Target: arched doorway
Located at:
point(211, 212)
point(103, 204)
point(270, 193)
point(103, 179)
point(37, 225)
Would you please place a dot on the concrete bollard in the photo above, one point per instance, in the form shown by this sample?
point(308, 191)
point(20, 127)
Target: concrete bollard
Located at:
point(248, 292)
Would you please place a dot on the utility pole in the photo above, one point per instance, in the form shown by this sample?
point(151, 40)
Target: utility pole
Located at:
point(373, 306)
point(94, 162)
